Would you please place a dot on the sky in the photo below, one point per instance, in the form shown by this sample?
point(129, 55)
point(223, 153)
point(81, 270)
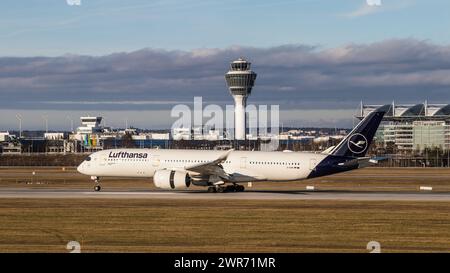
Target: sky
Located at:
point(134, 60)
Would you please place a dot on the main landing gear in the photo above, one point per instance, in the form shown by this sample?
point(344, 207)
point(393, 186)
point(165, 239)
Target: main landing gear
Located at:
point(96, 180)
point(229, 188)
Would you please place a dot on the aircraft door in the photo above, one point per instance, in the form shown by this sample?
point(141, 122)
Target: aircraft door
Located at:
point(312, 163)
point(156, 161)
point(243, 162)
point(103, 161)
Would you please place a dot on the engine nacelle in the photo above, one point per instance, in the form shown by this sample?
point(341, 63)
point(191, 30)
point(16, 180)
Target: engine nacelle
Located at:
point(170, 180)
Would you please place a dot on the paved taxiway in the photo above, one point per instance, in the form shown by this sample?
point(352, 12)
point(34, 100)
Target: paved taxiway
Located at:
point(248, 195)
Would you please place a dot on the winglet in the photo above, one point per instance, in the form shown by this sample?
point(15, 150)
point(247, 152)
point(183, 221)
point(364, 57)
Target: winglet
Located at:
point(224, 156)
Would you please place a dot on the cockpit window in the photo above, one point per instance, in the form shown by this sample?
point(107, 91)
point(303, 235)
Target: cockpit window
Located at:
point(88, 158)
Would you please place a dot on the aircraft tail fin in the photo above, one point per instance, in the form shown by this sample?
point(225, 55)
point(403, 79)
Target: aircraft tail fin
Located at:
point(357, 142)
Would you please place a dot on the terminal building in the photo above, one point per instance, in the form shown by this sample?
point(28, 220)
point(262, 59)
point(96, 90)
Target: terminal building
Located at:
point(412, 128)
point(87, 136)
point(90, 125)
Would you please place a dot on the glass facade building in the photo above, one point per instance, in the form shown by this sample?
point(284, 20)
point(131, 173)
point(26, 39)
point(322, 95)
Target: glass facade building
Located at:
point(413, 128)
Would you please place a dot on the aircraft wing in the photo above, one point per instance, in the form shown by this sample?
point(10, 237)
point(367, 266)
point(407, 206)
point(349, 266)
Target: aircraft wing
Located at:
point(212, 167)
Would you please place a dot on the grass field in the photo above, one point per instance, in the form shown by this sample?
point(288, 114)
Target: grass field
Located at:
point(229, 226)
point(163, 225)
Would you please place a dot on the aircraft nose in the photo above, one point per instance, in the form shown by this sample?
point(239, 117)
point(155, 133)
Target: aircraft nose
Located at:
point(80, 168)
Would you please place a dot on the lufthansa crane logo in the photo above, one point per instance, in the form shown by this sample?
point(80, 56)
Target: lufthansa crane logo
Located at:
point(357, 143)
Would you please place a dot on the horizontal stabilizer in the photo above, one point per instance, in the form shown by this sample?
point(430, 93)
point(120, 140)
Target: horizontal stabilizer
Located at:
point(362, 162)
point(328, 150)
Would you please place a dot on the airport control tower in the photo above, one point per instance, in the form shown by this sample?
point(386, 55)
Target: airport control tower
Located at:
point(240, 80)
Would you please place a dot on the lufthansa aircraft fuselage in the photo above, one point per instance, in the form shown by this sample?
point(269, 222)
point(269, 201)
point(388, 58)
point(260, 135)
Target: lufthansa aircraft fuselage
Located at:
point(177, 169)
point(244, 166)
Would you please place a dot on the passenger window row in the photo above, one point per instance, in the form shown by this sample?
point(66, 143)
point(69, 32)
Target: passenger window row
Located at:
point(274, 163)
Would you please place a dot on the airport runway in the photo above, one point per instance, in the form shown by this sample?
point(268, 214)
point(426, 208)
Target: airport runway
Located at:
point(202, 195)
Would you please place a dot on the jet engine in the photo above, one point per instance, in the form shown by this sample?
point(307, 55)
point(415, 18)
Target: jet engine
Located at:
point(169, 179)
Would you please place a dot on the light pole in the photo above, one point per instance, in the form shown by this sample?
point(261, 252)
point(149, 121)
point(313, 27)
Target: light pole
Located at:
point(71, 123)
point(45, 118)
point(19, 117)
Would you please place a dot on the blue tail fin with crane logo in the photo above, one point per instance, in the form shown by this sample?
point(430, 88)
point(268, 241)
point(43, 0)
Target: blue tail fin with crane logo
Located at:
point(357, 142)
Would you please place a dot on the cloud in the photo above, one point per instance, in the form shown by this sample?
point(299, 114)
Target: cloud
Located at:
point(376, 6)
point(363, 10)
point(293, 76)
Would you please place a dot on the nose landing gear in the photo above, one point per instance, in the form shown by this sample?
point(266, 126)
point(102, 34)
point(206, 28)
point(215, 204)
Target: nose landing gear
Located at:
point(96, 180)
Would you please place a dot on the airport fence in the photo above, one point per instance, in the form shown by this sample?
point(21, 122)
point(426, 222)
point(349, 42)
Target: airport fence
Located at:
point(413, 161)
point(48, 160)
point(73, 160)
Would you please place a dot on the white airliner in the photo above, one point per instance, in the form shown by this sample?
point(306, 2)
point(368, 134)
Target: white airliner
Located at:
point(224, 170)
